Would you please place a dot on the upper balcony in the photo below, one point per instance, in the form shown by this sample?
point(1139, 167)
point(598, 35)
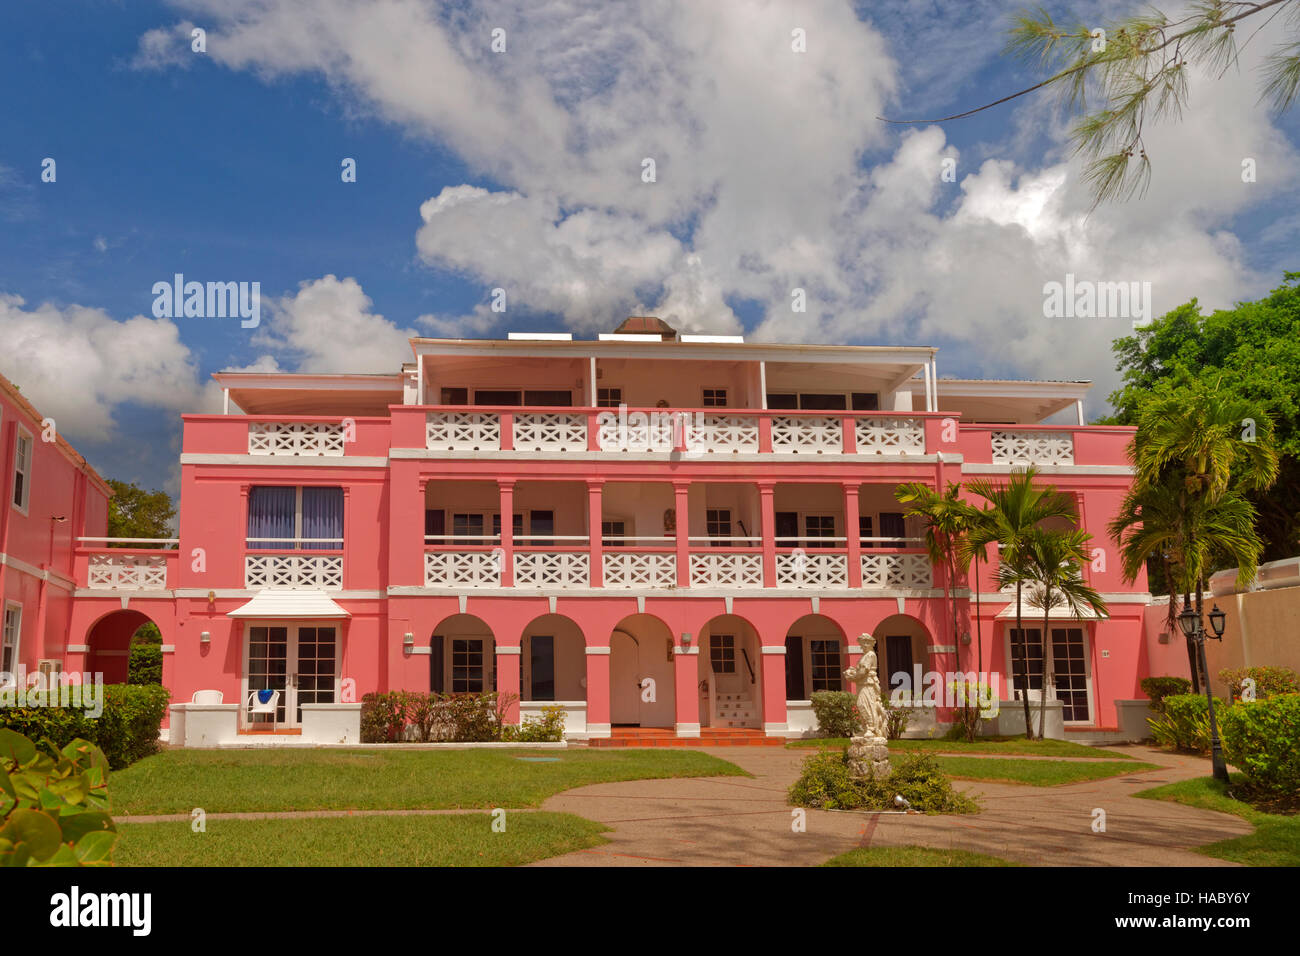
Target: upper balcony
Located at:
point(214, 439)
point(126, 564)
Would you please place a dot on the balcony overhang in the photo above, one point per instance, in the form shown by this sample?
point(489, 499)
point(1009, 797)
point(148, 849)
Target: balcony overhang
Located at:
point(277, 393)
point(272, 604)
point(1004, 402)
point(1029, 614)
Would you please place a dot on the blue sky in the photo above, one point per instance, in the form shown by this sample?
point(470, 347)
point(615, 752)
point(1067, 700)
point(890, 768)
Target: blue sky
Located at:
point(521, 170)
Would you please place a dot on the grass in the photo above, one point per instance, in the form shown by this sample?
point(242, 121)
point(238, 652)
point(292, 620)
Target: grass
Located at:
point(1275, 842)
point(914, 856)
point(1037, 773)
point(460, 840)
point(177, 781)
point(984, 745)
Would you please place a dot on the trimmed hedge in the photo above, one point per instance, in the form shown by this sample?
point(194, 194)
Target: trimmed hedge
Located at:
point(827, 783)
point(145, 664)
point(1158, 688)
point(1262, 739)
point(837, 713)
point(1269, 681)
point(398, 716)
point(126, 731)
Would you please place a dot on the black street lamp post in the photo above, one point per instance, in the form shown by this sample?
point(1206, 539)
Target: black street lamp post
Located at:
point(1193, 627)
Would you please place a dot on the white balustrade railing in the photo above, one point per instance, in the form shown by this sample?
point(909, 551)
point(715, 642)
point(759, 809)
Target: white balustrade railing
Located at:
point(462, 569)
point(890, 435)
point(726, 569)
point(550, 431)
point(462, 431)
point(897, 571)
point(807, 435)
point(127, 572)
point(708, 433)
point(293, 571)
point(301, 439)
point(552, 569)
point(1023, 447)
point(639, 569)
point(812, 569)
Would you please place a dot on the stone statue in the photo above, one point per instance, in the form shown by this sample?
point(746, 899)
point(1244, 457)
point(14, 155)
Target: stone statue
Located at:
point(869, 753)
point(867, 677)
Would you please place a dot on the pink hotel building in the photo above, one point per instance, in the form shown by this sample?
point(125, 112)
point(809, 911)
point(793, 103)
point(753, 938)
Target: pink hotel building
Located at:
point(713, 515)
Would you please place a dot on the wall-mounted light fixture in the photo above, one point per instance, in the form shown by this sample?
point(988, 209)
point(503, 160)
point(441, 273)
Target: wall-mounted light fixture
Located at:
point(408, 639)
point(205, 637)
point(686, 641)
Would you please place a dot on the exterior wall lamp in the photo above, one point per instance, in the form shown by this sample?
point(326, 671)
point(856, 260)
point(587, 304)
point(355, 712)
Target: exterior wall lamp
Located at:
point(686, 641)
point(205, 637)
point(408, 639)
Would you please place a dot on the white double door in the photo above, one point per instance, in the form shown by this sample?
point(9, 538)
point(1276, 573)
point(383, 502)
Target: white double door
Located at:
point(298, 660)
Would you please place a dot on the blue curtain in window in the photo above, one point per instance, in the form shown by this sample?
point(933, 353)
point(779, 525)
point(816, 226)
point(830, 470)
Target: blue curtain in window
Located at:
point(270, 515)
point(322, 517)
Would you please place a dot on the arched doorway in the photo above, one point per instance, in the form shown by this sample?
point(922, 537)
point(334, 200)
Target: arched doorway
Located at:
point(730, 673)
point(641, 673)
point(553, 661)
point(902, 656)
point(462, 656)
point(109, 641)
point(816, 656)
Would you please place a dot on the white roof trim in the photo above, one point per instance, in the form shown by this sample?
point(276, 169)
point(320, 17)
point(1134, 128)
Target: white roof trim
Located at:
point(287, 603)
point(1029, 614)
point(539, 336)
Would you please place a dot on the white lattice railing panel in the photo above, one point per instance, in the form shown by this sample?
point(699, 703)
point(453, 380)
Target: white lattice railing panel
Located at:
point(462, 569)
point(897, 571)
point(462, 431)
point(135, 572)
point(803, 435)
point(882, 435)
point(293, 571)
point(632, 569)
point(713, 569)
point(552, 569)
point(639, 431)
point(550, 431)
point(809, 569)
point(712, 434)
point(1033, 448)
point(304, 439)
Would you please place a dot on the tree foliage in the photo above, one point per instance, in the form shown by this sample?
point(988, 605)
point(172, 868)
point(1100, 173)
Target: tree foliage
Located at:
point(134, 512)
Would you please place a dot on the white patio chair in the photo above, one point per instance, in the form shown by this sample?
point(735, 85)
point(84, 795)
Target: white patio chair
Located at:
point(207, 697)
point(257, 706)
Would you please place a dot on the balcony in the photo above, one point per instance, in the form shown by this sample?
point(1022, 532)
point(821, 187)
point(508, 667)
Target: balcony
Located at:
point(125, 568)
point(1010, 446)
point(705, 433)
point(563, 567)
point(287, 438)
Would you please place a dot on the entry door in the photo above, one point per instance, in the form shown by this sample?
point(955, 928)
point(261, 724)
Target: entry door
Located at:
point(300, 661)
point(1070, 674)
point(624, 680)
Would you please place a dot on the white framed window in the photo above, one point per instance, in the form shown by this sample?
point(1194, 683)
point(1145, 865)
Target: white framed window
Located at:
point(609, 396)
point(717, 525)
point(613, 532)
point(824, 671)
point(715, 398)
point(722, 653)
point(1071, 668)
point(12, 635)
point(292, 518)
point(22, 493)
point(816, 527)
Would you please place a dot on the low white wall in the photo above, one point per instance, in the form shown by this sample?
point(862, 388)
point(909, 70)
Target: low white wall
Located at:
point(203, 725)
point(800, 721)
point(575, 713)
point(1132, 719)
point(1010, 721)
point(331, 723)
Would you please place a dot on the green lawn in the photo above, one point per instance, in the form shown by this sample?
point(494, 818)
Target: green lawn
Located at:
point(914, 856)
point(462, 840)
point(984, 745)
point(1275, 842)
point(1037, 773)
point(222, 781)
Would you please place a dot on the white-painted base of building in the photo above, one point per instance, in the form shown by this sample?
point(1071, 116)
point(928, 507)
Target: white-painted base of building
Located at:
point(687, 730)
point(599, 730)
point(776, 730)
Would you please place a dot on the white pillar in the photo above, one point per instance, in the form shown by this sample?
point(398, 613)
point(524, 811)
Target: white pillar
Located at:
point(419, 371)
point(1078, 407)
point(591, 399)
point(225, 401)
point(762, 384)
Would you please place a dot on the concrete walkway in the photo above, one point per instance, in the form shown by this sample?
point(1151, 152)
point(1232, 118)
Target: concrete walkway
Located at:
point(734, 821)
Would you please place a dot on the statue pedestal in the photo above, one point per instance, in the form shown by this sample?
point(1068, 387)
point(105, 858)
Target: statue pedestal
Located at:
point(869, 756)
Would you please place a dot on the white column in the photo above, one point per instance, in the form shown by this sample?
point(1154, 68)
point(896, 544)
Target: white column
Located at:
point(591, 399)
point(419, 371)
point(225, 401)
point(762, 384)
point(1078, 407)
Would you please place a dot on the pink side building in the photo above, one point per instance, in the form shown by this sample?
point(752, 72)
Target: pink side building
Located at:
point(651, 530)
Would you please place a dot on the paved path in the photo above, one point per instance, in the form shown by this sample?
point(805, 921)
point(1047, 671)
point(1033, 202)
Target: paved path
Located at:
point(735, 821)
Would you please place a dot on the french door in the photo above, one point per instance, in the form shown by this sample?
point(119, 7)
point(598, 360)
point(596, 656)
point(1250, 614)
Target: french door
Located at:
point(298, 660)
point(1071, 679)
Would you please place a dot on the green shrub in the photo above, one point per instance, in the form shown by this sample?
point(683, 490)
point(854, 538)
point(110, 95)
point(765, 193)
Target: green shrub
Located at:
point(53, 807)
point(399, 715)
point(1158, 688)
point(145, 664)
point(1262, 739)
point(897, 717)
point(1268, 681)
point(837, 713)
point(383, 717)
point(126, 730)
point(826, 783)
point(1184, 722)
point(548, 727)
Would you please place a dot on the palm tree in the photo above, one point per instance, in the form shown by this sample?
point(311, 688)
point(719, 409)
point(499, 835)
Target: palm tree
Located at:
point(947, 519)
point(1018, 507)
point(1054, 570)
point(974, 546)
point(1196, 447)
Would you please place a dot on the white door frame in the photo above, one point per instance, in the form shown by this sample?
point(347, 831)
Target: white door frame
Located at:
point(1061, 623)
point(290, 693)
